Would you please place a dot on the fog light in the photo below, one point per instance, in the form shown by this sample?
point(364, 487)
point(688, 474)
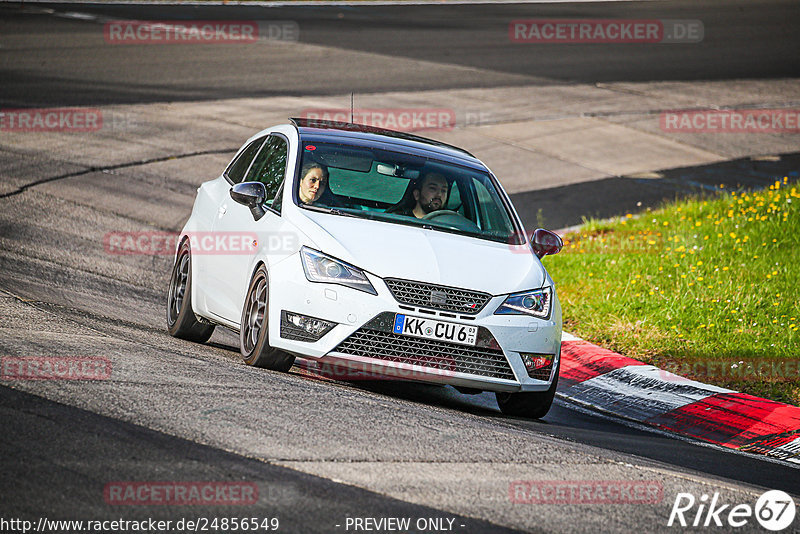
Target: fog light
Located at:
point(303, 327)
point(538, 366)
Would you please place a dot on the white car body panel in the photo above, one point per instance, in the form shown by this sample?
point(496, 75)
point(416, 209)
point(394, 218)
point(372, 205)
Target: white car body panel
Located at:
point(411, 253)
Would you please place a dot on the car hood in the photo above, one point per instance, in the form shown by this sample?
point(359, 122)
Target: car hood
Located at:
point(391, 250)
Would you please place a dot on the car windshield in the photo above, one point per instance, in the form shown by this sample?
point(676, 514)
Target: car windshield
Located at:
point(404, 189)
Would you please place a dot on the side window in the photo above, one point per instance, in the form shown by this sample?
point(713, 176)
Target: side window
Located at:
point(492, 217)
point(454, 202)
point(269, 166)
point(238, 167)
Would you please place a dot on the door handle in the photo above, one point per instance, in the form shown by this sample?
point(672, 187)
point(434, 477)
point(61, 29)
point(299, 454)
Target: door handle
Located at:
point(222, 210)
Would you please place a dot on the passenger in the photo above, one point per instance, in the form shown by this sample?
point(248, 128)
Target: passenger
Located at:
point(314, 179)
point(429, 193)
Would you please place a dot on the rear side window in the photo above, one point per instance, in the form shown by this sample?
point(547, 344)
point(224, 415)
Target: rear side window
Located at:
point(238, 167)
point(454, 202)
point(269, 167)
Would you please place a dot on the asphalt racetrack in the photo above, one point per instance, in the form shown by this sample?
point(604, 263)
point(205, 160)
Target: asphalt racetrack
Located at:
point(320, 452)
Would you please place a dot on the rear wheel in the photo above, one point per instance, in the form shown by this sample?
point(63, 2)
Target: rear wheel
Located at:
point(254, 332)
point(533, 405)
point(181, 320)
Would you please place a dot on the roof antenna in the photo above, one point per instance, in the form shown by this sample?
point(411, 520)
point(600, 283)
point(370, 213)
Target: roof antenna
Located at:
point(351, 107)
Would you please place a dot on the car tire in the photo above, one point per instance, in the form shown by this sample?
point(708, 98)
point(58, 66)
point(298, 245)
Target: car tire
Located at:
point(254, 331)
point(532, 405)
point(181, 320)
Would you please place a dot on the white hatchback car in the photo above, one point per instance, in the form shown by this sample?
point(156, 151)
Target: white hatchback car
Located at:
point(374, 250)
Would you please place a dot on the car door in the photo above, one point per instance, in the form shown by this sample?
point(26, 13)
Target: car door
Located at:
point(237, 231)
point(210, 197)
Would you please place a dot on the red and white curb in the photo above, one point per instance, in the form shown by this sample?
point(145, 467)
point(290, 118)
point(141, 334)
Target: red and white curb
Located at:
point(609, 382)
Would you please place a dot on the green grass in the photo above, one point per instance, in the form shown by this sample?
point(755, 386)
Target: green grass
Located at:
point(706, 288)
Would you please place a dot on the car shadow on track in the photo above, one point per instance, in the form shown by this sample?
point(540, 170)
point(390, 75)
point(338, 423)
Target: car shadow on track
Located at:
point(441, 396)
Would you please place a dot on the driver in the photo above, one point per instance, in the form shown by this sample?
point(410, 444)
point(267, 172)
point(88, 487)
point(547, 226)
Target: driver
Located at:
point(430, 194)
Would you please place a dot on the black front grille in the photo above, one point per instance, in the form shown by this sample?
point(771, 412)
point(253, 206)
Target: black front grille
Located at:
point(445, 298)
point(441, 355)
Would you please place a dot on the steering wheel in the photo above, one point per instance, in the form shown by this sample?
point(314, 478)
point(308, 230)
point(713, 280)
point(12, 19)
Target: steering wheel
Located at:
point(440, 213)
point(452, 219)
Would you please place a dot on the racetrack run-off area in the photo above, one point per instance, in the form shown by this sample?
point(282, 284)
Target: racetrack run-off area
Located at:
point(627, 388)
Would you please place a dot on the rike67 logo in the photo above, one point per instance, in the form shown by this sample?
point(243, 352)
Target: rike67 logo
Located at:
point(774, 510)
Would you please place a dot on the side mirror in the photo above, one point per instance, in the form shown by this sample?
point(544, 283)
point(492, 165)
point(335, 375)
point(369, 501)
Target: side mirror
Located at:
point(251, 194)
point(545, 243)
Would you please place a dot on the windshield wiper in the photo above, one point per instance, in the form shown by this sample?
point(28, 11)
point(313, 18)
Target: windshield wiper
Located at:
point(332, 211)
point(336, 211)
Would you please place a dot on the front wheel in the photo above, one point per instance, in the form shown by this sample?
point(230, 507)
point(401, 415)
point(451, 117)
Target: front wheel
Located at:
point(181, 320)
point(530, 404)
point(254, 332)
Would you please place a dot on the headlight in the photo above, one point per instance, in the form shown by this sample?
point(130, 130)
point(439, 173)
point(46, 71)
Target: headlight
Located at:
point(320, 267)
point(536, 303)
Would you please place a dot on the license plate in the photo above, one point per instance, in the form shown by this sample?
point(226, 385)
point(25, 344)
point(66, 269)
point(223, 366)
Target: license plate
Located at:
point(433, 329)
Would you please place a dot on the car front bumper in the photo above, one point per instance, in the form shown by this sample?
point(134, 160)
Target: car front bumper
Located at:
point(362, 339)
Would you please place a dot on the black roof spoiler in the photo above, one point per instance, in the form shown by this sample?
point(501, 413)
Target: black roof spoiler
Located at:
point(362, 128)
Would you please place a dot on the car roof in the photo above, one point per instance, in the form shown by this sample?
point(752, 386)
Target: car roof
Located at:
point(317, 130)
